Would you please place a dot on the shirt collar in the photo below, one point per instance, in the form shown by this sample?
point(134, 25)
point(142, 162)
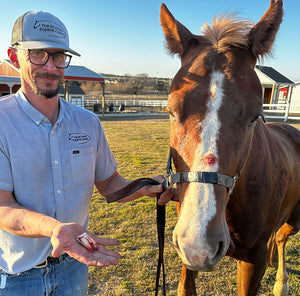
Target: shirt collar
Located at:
point(36, 116)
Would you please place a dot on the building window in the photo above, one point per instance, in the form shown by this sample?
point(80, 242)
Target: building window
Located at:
point(77, 100)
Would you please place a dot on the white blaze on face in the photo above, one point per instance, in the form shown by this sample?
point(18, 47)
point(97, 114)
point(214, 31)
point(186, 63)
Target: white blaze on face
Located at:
point(199, 203)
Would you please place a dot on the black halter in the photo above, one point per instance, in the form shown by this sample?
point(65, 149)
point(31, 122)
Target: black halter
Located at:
point(198, 176)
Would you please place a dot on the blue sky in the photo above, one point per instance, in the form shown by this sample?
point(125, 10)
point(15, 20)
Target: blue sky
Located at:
point(125, 37)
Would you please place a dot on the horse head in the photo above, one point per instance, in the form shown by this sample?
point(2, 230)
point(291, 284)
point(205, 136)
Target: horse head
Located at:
point(214, 103)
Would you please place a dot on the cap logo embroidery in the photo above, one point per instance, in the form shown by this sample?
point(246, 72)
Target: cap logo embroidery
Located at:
point(79, 138)
point(50, 27)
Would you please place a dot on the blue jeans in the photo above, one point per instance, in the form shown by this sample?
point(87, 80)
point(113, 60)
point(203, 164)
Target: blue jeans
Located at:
point(68, 277)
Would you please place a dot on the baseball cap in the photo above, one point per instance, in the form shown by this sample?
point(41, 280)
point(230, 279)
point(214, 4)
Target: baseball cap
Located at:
point(39, 30)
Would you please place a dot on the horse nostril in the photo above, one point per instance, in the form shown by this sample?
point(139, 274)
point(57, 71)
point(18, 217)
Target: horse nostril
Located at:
point(220, 250)
point(176, 243)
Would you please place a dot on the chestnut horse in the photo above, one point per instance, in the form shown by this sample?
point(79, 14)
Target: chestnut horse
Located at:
point(215, 103)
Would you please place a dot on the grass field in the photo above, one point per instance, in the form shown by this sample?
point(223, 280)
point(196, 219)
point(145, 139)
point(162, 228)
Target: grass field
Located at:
point(141, 149)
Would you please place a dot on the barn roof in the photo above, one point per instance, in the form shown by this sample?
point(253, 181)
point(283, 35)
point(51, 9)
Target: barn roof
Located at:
point(10, 79)
point(78, 73)
point(73, 90)
point(8, 69)
point(81, 73)
point(274, 75)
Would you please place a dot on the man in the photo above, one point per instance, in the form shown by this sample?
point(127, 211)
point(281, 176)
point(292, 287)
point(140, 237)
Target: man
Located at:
point(51, 155)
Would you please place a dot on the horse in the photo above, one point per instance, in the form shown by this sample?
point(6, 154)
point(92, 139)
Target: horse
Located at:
point(216, 128)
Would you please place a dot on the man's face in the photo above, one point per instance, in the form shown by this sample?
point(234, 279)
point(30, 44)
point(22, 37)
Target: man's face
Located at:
point(43, 80)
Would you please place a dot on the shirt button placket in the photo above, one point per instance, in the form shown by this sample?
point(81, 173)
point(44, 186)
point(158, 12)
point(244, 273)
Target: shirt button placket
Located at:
point(57, 174)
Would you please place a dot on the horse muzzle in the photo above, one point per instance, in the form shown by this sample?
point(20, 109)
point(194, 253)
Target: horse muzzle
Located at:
point(203, 254)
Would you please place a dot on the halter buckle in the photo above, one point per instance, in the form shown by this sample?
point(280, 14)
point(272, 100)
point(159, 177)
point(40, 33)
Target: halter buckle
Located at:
point(235, 178)
point(167, 183)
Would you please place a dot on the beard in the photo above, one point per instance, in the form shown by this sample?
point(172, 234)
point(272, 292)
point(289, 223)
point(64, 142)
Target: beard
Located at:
point(46, 93)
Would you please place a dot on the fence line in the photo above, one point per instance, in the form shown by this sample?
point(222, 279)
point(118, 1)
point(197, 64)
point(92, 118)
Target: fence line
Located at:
point(275, 111)
point(129, 103)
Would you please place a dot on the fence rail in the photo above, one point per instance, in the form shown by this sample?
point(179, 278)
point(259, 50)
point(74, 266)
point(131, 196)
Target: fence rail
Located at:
point(280, 111)
point(129, 103)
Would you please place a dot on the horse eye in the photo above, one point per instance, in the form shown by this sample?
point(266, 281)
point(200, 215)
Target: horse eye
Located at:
point(171, 113)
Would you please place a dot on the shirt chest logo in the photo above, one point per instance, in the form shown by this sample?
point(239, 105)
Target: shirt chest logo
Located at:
point(79, 138)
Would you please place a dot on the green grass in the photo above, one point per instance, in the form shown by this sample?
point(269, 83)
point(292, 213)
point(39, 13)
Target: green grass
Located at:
point(141, 149)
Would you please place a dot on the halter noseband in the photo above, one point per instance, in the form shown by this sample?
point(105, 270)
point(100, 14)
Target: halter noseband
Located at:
point(198, 176)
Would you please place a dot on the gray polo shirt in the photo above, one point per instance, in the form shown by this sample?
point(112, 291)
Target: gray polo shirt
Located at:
point(50, 169)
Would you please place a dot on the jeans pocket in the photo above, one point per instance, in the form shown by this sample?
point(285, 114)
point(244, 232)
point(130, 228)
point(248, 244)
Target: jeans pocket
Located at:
point(68, 258)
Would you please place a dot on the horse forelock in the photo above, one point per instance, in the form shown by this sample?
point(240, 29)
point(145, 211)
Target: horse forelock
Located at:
point(226, 31)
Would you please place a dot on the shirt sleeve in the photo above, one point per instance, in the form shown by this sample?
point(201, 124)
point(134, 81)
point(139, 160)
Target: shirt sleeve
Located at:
point(6, 180)
point(105, 162)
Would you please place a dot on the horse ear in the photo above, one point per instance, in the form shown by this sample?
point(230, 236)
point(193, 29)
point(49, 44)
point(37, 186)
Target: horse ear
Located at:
point(262, 35)
point(178, 37)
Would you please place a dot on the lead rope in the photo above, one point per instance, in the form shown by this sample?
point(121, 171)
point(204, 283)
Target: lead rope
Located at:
point(193, 282)
point(160, 222)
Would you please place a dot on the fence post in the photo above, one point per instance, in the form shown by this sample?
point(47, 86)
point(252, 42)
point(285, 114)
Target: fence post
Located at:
point(103, 97)
point(287, 111)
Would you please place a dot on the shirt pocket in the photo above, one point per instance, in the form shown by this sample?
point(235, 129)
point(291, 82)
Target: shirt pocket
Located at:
point(83, 165)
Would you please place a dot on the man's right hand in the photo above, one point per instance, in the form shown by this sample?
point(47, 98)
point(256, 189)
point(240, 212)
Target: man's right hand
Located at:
point(64, 239)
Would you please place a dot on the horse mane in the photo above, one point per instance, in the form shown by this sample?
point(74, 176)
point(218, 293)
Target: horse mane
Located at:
point(226, 31)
